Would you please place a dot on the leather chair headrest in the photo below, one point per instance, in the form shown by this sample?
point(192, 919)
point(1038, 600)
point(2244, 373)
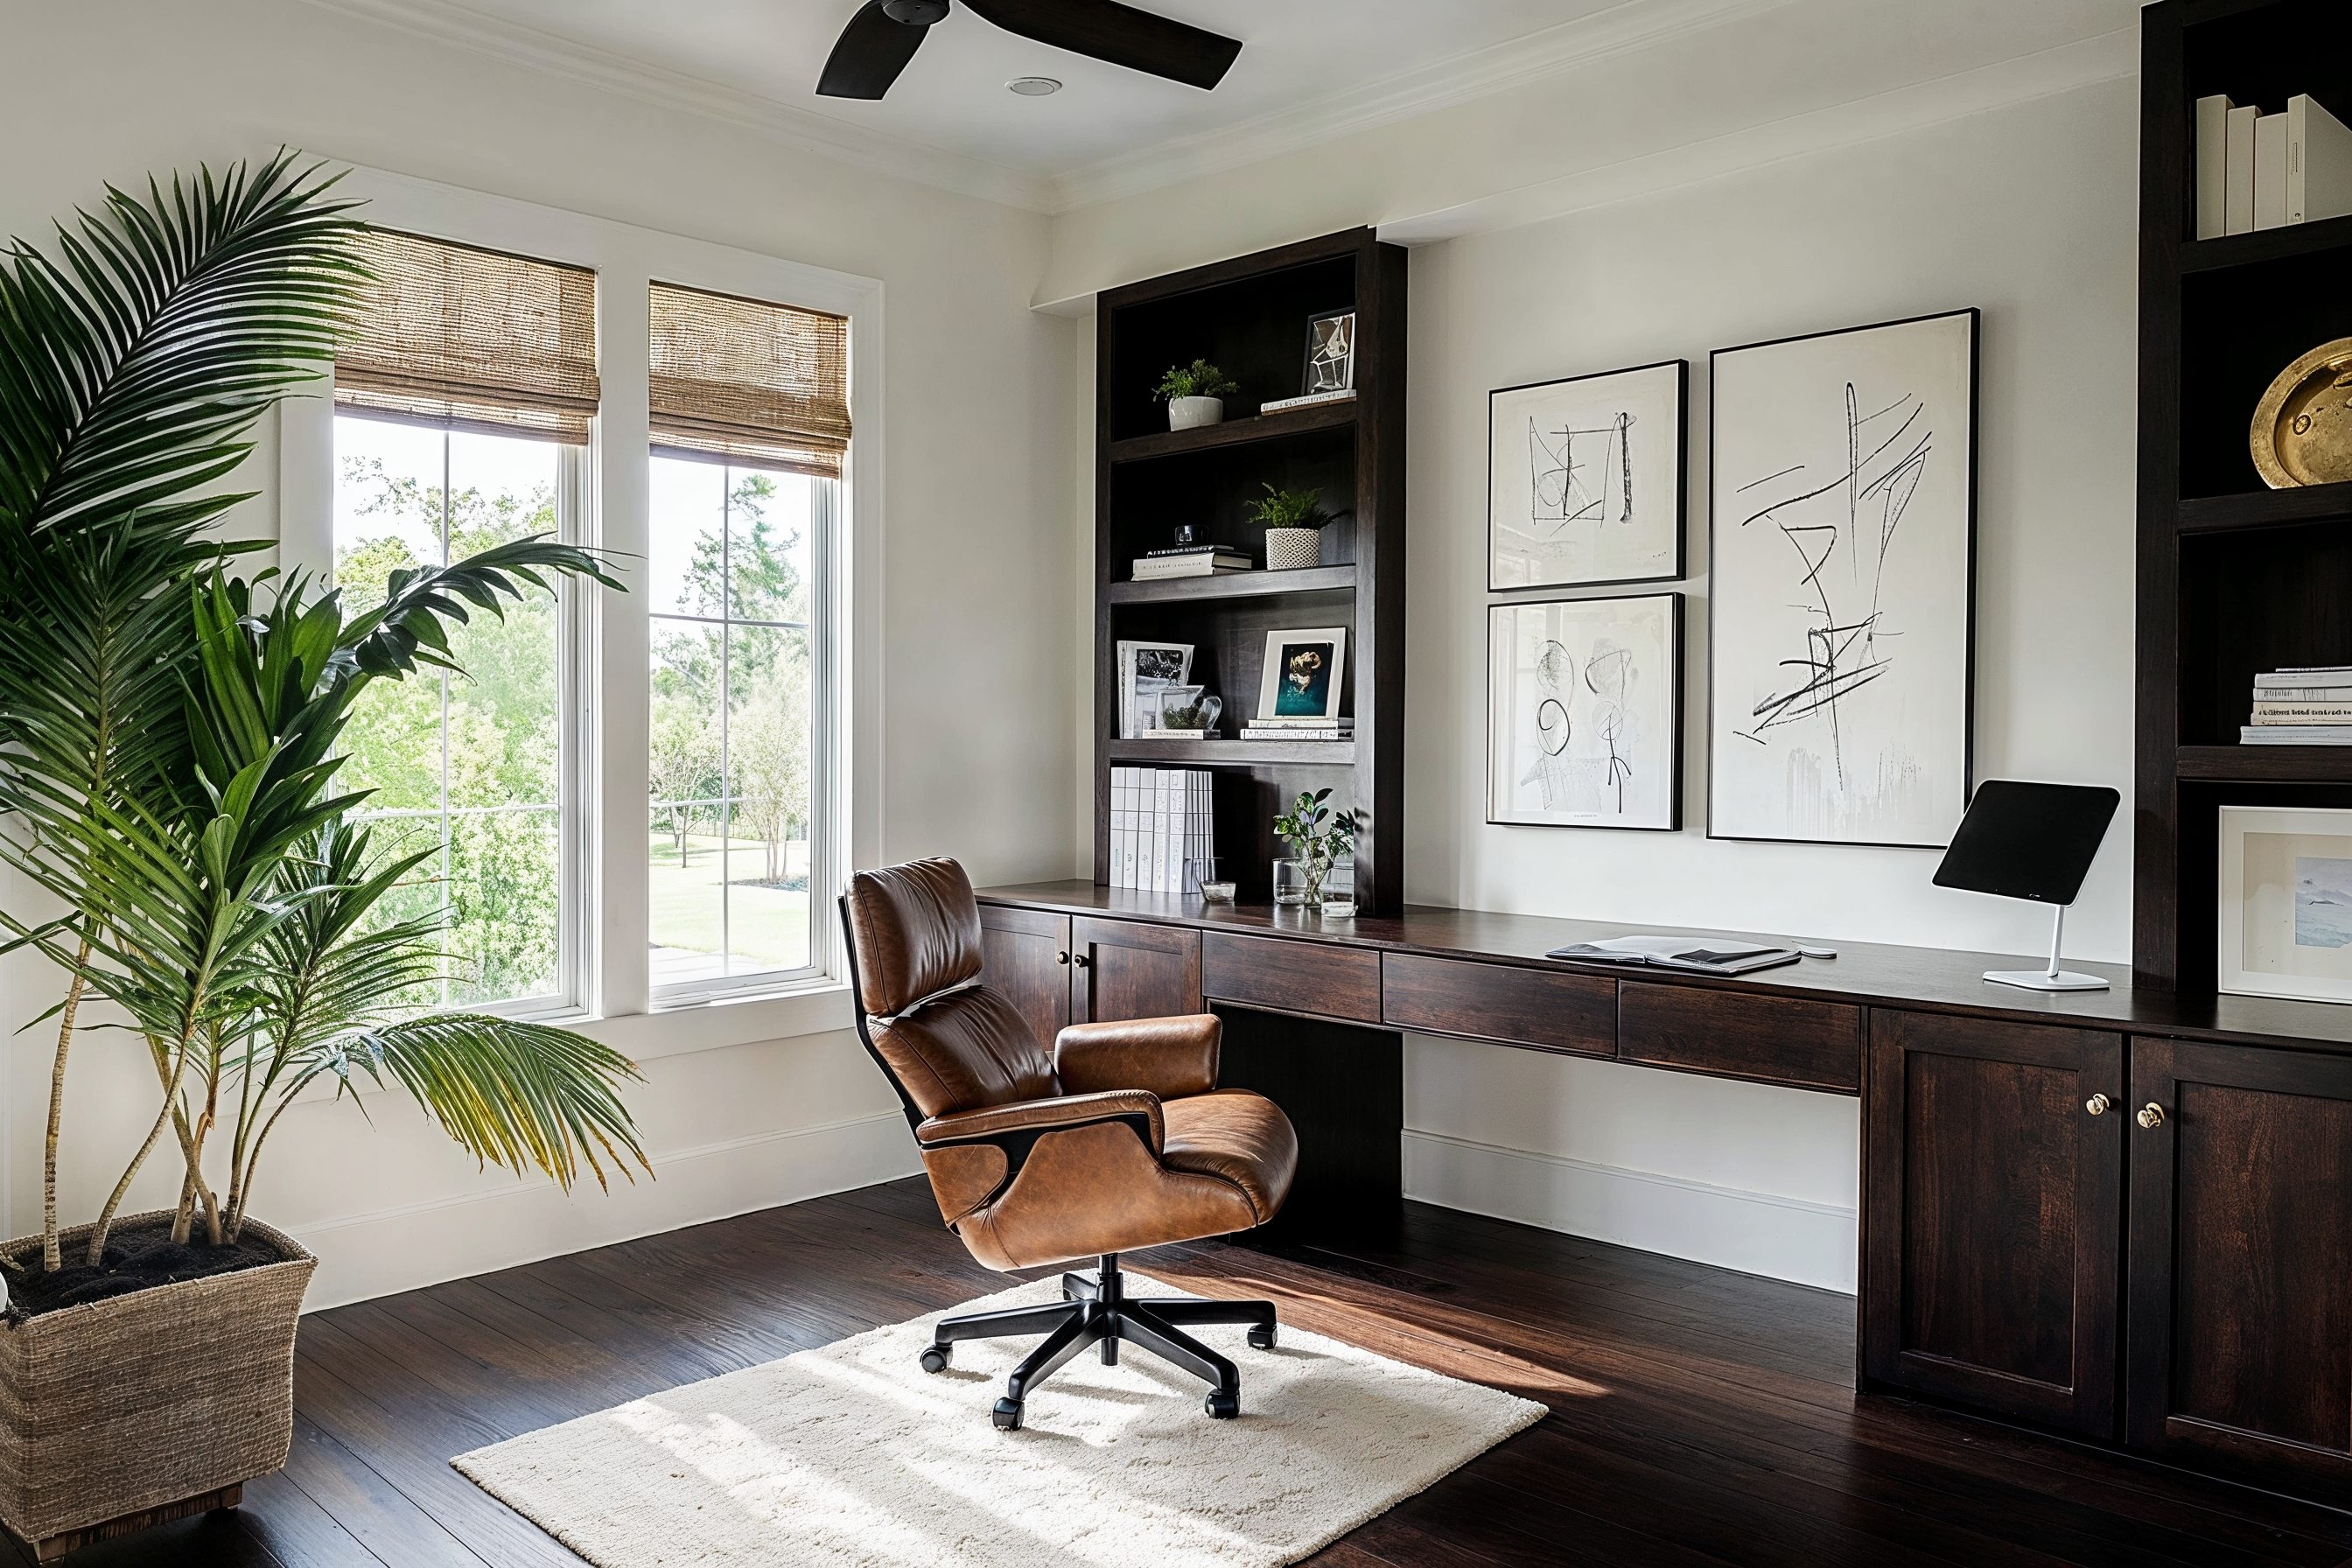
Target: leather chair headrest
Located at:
point(917, 930)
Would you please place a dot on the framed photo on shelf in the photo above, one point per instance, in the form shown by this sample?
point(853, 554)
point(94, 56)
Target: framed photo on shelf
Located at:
point(1584, 712)
point(1842, 601)
point(1584, 480)
point(1146, 671)
point(1330, 355)
point(2285, 912)
point(1305, 677)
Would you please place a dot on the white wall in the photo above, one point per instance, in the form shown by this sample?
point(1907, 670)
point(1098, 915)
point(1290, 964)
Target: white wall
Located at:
point(978, 580)
point(2015, 192)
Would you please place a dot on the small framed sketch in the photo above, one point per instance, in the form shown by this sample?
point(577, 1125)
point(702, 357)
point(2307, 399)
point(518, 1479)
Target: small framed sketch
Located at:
point(2286, 903)
point(1305, 677)
point(1146, 671)
point(1330, 355)
point(1584, 480)
point(1584, 712)
point(1842, 608)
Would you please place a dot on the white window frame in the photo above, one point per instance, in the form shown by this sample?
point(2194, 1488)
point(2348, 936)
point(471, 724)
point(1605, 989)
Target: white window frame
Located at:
point(612, 994)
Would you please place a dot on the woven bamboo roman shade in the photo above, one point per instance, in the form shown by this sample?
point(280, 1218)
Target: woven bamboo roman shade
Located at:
point(473, 340)
point(762, 385)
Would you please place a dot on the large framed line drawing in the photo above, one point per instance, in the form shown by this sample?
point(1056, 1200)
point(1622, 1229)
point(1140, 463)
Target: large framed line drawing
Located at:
point(1841, 561)
point(1584, 480)
point(1584, 712)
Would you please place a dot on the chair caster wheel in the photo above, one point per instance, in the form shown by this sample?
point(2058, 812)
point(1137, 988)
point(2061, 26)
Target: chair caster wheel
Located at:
point(1260, 1337)
point(1007, 1414)
point(936, 1357)
point(1222, 1405)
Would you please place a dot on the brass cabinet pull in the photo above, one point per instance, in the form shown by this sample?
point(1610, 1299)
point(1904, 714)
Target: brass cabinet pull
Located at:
point(2098, 1105)
point(1062, 958)
point(2151, 1115)
point(1081, 961)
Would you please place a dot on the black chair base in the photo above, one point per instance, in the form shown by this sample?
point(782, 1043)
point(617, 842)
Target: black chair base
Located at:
point(1096, 1313)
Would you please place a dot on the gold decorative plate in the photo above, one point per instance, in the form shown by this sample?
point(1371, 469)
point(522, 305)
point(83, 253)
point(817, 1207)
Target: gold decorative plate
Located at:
point(2302, 431)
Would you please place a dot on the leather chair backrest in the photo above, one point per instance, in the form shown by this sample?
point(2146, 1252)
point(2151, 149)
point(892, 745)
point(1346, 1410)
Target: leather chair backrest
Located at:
point(914, 933)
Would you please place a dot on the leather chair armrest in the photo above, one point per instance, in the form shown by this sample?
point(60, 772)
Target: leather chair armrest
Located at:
point(1172, 1057)
point(1031, 1118)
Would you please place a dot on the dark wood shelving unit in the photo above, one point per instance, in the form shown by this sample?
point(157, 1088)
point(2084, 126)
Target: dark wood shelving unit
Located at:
point(1249, 316)
point(1236, 585)
point(1235, 432)
point(2233, 578)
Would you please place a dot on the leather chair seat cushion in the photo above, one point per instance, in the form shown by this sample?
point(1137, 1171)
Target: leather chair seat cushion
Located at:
point(1238, 1137)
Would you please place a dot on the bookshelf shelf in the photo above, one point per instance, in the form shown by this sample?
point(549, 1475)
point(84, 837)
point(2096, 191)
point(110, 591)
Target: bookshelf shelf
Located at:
point(1235, 432)
point(1320, 753)
point(2267, 764)
point(1233, 586)
point(2314, 238)
point(2266, 509)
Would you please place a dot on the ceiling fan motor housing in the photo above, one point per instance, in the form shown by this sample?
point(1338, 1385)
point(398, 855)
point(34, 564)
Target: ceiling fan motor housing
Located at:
point(915, 13)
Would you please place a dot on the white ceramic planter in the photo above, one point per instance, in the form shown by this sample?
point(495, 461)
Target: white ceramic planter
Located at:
point(1288, 549)
point(1192, 413)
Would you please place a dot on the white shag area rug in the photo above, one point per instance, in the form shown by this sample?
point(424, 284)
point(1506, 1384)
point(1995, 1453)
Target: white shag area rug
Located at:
point(852, 1454)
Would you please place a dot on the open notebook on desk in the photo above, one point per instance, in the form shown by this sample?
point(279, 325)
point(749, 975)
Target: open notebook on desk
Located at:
point(1694, 954)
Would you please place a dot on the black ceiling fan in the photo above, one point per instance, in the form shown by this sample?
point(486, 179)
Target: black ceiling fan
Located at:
point(884, 35)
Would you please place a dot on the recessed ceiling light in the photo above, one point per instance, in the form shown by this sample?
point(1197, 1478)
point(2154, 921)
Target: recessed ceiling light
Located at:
point(1034, 86)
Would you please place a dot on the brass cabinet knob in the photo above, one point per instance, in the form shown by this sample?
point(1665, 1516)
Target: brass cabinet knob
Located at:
point(2150, 1115)
point(2098, 1105)
point(1062, 958)
point(1081, 961)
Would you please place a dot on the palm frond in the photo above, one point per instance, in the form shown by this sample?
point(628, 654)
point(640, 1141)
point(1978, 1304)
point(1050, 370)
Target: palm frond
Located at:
point(513, 1094)
point(408, 630)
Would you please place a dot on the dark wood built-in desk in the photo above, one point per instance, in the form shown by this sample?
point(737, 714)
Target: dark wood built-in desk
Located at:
point(2127, 1216)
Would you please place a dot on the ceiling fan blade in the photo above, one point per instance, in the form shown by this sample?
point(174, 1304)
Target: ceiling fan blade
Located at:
point(1119, 34)
point(872, 51)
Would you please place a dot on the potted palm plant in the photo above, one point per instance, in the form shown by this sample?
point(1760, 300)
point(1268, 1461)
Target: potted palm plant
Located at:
point(169, 781)
point(1195, 395)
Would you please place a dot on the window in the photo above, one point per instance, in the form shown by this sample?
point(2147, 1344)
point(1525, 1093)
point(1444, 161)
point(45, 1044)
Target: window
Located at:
point(462, 397)
point(750, 419)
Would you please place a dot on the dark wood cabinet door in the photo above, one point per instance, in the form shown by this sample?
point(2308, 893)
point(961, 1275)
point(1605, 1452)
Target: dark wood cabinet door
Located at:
point(1025, 955)
point(2241, 1260)
point(1132, 969)
point(1994, 1163)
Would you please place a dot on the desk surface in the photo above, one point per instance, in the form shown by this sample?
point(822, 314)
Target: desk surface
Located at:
point(1872, 973)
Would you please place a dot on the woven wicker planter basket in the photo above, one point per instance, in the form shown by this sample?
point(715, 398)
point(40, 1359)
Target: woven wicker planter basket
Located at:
point(130, 1405)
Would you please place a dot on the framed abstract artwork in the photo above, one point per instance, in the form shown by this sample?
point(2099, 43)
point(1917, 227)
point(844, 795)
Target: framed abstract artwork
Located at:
point(1304, 677)
point(1584, 712)
point(1584, 480)
point(2285, 912)
point(1841, 585)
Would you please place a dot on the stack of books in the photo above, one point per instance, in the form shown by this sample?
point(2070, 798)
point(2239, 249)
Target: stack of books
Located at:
point(1301, 730)
point(2310, 705)
point(1344, 395)
point(2264, 171)
point(1190, 560)
point(1163, 829)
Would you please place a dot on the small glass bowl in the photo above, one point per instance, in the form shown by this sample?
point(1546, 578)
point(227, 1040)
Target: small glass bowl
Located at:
point(1337, 907)
point(1218, 892)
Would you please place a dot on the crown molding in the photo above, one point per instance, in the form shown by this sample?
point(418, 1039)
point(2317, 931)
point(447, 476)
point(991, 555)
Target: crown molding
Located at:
point(459, 26)
point(1623, 28)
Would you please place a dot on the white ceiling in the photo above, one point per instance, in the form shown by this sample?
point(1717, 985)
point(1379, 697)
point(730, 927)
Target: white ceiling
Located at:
point(1297, 54)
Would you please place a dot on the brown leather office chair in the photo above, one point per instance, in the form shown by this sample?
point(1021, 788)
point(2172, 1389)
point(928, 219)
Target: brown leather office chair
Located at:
point(1119, 1138)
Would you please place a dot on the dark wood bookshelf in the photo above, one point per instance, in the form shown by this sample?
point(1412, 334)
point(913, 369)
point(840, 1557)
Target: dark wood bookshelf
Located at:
point(1236, 585)
point(2233, 578)
point(1235, 432)
point(1249, 317)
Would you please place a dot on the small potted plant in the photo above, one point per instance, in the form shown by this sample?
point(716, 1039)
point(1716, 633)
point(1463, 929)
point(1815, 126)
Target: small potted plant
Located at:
point(1293, 521)
point(1319, 838)
point(1195, 395)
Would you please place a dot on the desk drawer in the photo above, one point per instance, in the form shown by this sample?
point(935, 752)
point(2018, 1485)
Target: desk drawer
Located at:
point(1779, 1039)
point(1292, 977)
point(1545, 1008)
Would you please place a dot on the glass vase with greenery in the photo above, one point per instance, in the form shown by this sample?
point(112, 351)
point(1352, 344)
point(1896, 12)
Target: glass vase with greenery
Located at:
point(1318, 838)
point(170, 729)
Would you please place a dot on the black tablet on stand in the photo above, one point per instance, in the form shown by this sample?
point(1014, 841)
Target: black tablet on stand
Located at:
point(2033, 841)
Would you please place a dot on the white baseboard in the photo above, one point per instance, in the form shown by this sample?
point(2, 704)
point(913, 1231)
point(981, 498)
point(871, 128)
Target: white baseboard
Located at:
point(382, 1251)
point(1757, 1233)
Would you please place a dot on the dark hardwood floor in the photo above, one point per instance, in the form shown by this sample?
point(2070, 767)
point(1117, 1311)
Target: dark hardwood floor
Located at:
point(1698, 1417)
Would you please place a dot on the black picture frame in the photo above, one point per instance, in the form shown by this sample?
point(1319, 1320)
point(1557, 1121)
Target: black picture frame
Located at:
point(1307, 358)
point(1975, 318)
point(1681, 567)
point(1677, 649)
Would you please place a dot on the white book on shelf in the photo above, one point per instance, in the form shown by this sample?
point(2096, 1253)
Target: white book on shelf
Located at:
point(2270, 172)
point(1122, 828)
point(2303, 694)
point(2212, 165)
point(2305, 675)
point(1171, 795)
point(2238, 185)
point(1195, 822)
point(2318, 161)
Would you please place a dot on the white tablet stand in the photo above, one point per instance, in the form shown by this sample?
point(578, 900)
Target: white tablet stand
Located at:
point(2053, 978)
